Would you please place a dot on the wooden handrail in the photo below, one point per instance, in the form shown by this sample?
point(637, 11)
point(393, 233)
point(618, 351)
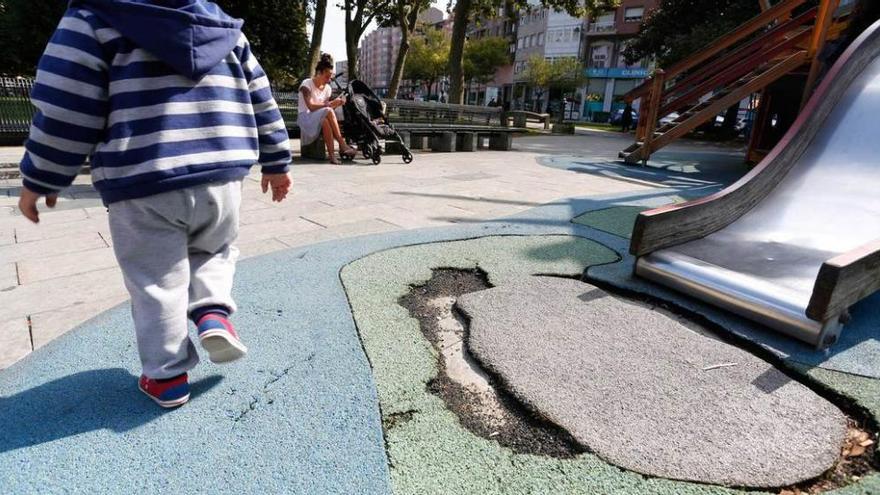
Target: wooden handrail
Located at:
point(744, 51)
point(659, 80)
point(772, 74)
point(817, 43)
point(735, 72)
point(724, 42)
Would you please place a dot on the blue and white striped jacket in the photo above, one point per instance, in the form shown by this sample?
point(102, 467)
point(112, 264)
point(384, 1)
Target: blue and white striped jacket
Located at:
point(161, 97)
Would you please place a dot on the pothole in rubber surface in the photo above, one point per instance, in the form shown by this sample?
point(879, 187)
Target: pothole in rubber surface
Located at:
point(487, 410)
point(480, 404)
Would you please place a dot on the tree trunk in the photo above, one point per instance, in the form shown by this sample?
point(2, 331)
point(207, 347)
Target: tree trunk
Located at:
point(456, 50)
point(399, 63)
point(351, 50)
point(317, 35)
point(353, 30)
point(407, 27)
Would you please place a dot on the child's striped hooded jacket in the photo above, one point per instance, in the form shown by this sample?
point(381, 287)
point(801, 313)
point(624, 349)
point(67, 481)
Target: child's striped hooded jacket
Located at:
point(162, 94)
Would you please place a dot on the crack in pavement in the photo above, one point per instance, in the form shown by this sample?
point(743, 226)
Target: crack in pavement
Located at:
point(264, 395)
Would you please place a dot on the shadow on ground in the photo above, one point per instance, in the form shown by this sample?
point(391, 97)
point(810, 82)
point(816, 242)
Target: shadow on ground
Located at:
point(102, 399)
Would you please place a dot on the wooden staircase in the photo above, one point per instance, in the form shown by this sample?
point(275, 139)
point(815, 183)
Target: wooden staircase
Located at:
point(740, 63)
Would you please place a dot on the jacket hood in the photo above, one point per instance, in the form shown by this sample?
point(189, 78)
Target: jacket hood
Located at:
point(191, 36)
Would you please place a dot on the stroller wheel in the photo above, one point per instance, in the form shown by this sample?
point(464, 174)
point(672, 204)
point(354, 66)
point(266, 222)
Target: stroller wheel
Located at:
point(347, 158)
point(367, 151)
point(377, 158)
point(407, 158)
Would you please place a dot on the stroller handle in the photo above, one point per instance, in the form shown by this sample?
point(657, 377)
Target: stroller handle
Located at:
point(339, 86)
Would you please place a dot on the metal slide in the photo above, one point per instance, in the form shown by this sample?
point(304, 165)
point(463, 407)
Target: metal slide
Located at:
point(764, 265)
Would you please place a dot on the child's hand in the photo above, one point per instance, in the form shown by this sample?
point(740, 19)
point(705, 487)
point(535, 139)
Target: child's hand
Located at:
point(27, 204)
point(280, 185)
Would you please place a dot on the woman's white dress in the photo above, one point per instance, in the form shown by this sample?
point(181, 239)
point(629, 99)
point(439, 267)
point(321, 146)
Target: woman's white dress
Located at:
point(309, 121)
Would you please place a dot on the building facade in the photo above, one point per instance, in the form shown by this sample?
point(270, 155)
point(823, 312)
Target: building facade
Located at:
point(609, 75)
point(342, 73)
point(498, 90)
point(547, 34)
point(378, 52)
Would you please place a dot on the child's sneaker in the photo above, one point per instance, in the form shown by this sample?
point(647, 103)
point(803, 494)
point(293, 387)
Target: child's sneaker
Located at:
point(219, 339)
point(167, 393)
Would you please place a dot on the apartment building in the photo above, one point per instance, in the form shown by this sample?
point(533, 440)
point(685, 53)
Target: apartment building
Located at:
point(499, 89)
point(342, 68)
point(610, 76)
point(378, 51)
point(548, 34)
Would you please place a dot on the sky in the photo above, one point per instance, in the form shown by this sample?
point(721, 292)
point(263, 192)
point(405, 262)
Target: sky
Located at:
point(334, 29)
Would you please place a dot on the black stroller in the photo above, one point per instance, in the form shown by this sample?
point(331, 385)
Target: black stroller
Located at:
point(365, 124)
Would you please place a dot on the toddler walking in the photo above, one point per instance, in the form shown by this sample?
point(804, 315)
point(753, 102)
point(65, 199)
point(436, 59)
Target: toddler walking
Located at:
point(167, 99)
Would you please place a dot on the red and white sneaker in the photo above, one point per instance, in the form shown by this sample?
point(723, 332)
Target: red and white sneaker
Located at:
point(172, 392)
point(219, 339)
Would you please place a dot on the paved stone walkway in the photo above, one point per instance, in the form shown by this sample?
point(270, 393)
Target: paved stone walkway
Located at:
point(61, 273)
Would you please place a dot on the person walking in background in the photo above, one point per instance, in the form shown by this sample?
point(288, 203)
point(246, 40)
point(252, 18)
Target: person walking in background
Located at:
point(317, 115)
point(626, 120)
point(174, 109)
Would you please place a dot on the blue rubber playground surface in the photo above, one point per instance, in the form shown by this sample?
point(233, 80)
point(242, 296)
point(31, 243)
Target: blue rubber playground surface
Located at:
point(301, 414)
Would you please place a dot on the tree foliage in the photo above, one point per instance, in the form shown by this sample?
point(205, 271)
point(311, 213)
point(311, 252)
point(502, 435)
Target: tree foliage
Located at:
point(359, 14)
point(563, 74)
point(466, 11)
point(482, 57)
point(428, 59)
point(679, 28)
point(406, 18)
point(276, 30)
point(25, 29)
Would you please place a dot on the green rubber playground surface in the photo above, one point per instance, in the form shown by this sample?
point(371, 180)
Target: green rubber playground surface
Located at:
point(429, 450)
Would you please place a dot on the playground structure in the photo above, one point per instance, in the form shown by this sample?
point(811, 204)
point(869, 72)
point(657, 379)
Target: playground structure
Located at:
point(796, 242)
point(774, 55)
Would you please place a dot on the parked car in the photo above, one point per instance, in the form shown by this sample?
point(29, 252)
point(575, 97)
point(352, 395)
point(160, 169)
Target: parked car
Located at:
point(617, 116)
point(669, 118)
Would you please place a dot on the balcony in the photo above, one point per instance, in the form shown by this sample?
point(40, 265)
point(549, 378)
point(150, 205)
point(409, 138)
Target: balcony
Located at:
point(600, 28)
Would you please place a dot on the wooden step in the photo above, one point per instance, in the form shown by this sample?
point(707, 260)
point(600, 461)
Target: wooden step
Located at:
point(629, 150)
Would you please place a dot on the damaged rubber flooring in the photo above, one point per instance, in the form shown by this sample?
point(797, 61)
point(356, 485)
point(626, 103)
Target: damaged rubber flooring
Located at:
point(435, 447)
point(475, 397)
point(682, 406)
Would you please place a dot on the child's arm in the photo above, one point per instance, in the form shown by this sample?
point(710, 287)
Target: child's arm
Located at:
point(70, 94)
point(274, 144)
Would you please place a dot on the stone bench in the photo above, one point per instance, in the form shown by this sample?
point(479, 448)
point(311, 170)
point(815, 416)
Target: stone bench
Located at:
point(447, 138)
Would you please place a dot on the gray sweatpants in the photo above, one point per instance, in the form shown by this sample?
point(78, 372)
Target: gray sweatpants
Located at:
point(176, 254)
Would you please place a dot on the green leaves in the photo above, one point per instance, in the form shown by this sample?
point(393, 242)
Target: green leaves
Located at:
point(428, 57)
point(680, 28)
point(565, 74)
point(25, 29)
point(276, 30)
point(483, 56)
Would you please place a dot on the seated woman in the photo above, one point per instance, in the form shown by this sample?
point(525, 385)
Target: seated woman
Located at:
point(316, 116)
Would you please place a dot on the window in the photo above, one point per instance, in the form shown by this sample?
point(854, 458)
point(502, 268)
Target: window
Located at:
point(541, 39)
point(600, 56)
point(519, 43)
point(633, 14)
point(603, 23)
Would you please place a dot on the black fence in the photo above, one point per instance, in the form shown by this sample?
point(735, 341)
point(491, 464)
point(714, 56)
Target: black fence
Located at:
point(16, 111)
